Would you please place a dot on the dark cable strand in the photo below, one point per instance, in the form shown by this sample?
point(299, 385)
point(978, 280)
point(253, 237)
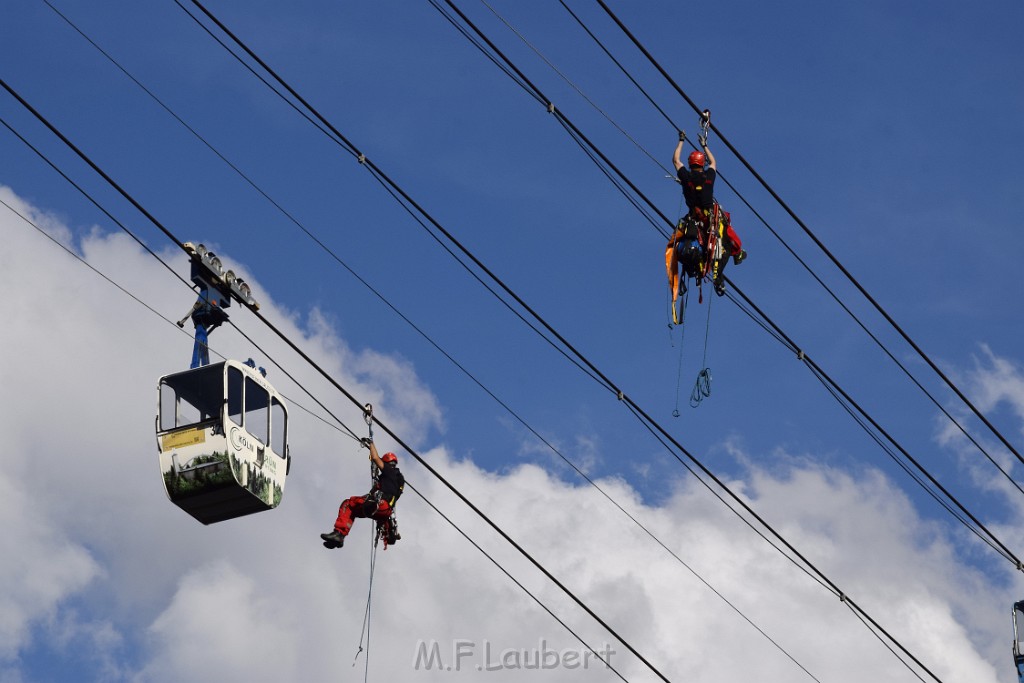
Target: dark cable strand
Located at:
point(849, 276)
point(358, 403)
point(556, 333)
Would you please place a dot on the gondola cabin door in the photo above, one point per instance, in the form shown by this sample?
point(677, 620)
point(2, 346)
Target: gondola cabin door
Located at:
point(222, 437)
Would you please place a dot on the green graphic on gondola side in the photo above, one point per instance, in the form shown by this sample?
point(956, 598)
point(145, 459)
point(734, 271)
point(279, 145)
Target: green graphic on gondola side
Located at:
point(203, 473)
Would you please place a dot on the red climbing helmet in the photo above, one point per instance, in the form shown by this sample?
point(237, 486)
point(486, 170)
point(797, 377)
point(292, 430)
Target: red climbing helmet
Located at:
point(390, 457)
point(697, 159)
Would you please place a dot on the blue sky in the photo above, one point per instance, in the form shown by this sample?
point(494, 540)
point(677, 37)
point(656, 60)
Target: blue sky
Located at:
point(890, 132)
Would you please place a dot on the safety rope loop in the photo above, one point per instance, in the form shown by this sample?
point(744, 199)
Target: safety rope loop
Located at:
point(702, 388)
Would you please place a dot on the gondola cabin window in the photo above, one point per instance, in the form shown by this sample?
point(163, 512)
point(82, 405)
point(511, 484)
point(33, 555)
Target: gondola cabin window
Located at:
point(190, 400)
point(277, 427)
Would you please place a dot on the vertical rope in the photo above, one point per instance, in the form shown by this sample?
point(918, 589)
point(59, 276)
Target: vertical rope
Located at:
point(682, 338)
point(702, 388)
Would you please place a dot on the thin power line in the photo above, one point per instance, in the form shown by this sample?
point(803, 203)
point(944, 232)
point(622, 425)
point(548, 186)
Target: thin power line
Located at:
point(128, 293)
point(359, 404)
point(511, 293)
point(383, 299)
point(935, 368)
point(1001, 549)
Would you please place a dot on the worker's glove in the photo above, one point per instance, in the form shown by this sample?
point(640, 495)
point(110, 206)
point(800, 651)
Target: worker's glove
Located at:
point(682, 136)
point(703, 140)
point(365, 441)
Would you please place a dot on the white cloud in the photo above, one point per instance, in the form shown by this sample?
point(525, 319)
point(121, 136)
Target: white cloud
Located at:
point(258, 598)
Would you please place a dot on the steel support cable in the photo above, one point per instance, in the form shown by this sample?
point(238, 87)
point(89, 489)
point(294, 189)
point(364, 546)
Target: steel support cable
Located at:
point(877, 438)
point(1006, 552)
point(861, 422)
point(882, 640)
point(389, 188)
point(501, 283)
point(152, 253)
point(515, 581)
point(845, 308)
point(508, 72)
point(873, 337)
point(248, 338)
point(814, 577)
point(615, 181)
point(616, 62)
point(526, 80)
point(287, 101)
point(383, 177)
point(350, 433)
point(338, 138)
point(352, 398)
point(384, 300)
point(388, 303)
point(290, 216)
point(437, 475)
point(575, 87)
point(555, 111)
point(697, 475)
point(679, 448)
point(856, 611)
point(338, 420)
point(583, 147)
point(534, 93)
point(811, 272)
point(935, 368)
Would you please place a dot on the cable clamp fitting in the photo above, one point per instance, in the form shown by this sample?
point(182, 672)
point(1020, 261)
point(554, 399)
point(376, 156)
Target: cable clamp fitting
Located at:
point(621, 395)
point(842, 597)
point(800, 354)
point(362, 158)
point(551, 107)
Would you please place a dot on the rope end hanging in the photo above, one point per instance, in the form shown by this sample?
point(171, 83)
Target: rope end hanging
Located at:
point(702, 388)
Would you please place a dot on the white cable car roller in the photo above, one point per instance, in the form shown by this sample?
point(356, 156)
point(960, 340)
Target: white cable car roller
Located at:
point(222, 434)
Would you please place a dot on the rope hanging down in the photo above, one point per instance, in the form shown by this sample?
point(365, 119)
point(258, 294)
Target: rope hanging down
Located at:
point(702, 388)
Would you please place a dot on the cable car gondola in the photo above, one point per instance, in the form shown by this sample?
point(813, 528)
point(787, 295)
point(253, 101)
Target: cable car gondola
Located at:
point(222, 434)
point(221, 429)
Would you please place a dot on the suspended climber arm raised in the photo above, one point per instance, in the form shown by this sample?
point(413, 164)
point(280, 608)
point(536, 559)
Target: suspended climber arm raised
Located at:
point(677, 157)
point(374, 458)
